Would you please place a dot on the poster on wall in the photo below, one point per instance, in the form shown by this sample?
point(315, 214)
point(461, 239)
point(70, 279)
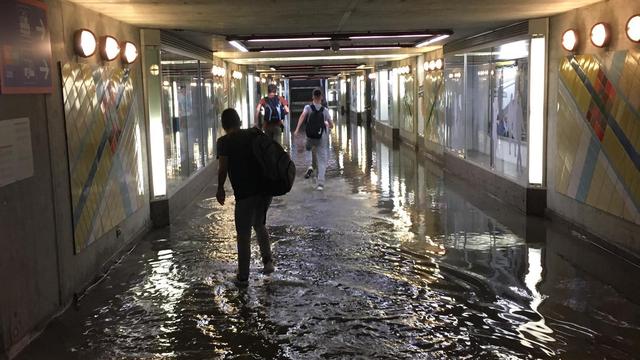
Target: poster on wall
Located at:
point(25, 47)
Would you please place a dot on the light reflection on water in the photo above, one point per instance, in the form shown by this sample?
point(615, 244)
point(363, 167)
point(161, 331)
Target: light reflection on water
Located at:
point(392, 261)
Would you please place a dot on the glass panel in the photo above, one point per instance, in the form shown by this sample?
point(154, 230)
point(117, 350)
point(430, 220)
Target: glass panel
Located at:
point(384, 98)
point(478, 127)
point(509, 109)
point(486, 94)
point(455, 123)
point(374, 93)
point(179, 114)
point(210, 112)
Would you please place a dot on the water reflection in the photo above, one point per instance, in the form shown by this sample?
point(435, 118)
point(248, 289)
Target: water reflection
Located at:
point(395, 259)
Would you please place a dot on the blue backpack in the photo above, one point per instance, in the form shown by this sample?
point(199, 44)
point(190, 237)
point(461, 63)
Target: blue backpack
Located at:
point(273, 110)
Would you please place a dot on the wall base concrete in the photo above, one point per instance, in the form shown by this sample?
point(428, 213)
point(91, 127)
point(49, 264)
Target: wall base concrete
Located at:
point(431, 150)
point(529, 201)
point(386, 132)
point(179, 200)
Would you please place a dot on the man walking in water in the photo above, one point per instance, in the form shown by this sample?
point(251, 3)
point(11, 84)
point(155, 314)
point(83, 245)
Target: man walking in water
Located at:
point(275, 108)
point(318, 121)
point(236, 158)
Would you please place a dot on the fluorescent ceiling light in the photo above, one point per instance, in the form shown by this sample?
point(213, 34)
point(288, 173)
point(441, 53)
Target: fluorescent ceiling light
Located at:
point(238, 46)
point(370, 48)
point(291, 39)
point(390, 57)
point(387, 36)
point(291, 50)
point(432, 40)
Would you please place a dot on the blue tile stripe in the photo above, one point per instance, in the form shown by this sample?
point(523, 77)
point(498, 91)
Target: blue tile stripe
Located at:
point(77, 211)
point(588, 169)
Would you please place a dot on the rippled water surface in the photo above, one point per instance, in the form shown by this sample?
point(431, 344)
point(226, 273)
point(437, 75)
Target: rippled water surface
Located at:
point(395, 259)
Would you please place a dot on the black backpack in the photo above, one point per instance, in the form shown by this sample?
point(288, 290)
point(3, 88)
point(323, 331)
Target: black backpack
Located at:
point(315, 123)
point(273, 110)
point(278, 170)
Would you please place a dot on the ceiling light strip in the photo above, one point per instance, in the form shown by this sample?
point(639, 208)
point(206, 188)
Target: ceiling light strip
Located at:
point(432, 40)
point(237, 45)
point(291, 50)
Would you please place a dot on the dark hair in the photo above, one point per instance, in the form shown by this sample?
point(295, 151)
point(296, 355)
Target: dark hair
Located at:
point(272, 89)
point(317, 93)
point(230, 119)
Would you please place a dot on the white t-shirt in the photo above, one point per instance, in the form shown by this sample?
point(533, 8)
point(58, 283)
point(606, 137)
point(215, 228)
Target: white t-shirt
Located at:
point(327, 115)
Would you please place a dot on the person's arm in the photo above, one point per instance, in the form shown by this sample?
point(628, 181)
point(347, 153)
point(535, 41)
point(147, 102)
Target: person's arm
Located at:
point(329, 119)
point(256, 118)
point(222, 178)
point(285, 104)
point(301, 120)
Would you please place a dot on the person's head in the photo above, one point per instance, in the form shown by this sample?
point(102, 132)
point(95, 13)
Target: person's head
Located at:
point(272, 89)
point(317, 94)
point(230, 120)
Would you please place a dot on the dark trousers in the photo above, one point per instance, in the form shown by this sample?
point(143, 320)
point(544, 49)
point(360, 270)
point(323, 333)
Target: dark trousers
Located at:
point(252, 213)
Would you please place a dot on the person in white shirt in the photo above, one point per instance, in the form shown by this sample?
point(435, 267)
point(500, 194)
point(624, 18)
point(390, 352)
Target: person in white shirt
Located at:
point(319, 122)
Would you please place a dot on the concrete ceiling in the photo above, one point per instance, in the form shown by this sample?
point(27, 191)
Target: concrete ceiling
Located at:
point(207, 22)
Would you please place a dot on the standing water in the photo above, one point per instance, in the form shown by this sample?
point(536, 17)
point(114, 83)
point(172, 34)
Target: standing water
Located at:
point(396, 259)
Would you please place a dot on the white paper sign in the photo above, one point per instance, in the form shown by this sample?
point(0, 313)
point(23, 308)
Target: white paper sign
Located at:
point(16, 155)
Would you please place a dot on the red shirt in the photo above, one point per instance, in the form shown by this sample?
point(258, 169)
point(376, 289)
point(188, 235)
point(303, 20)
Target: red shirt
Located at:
point(283, 102)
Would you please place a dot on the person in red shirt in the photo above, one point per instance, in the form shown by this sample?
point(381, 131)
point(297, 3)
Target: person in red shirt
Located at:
point(275, 108)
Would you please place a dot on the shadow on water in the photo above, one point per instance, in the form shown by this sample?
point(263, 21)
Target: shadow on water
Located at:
point(395, 259)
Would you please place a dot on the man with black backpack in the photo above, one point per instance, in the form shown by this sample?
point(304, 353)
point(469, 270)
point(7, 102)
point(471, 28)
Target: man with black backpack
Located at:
point(258, 169)
point(318, 121)
point(275, 109)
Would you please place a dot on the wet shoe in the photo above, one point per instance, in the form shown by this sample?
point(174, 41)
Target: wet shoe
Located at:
point(320, 188)
point(308, 173)
point(268, 268)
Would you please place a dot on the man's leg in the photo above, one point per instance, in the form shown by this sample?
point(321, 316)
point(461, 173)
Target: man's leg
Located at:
point(322, 150)
point(259, 225)
point(244, 219)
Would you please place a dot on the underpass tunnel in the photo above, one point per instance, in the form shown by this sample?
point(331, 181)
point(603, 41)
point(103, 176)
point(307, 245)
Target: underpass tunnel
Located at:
point(482, 193)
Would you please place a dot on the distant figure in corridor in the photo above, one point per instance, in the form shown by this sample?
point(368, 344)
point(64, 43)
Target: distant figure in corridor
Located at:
point(275, 108)
point(318, 121)
point(236, 158)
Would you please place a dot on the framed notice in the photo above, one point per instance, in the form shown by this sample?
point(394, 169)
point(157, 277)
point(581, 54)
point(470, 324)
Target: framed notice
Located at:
point(25, 47)
point(16, 155)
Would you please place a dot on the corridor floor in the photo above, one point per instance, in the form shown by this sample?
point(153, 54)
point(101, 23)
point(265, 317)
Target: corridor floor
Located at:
point(396, 259)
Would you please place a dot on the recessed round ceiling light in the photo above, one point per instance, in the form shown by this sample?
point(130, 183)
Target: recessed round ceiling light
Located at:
point(109, 48)
point(85, 43)
point(439, 64)
point(129, 52)
point(633, 28)
point(570, 40)
point(600, 35)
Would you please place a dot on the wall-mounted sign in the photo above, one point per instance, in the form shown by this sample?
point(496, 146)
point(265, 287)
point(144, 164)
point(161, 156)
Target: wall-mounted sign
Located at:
point(25, 47)
point(16, 155)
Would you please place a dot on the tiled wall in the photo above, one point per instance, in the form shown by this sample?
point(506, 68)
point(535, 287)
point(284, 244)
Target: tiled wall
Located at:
point(598, 132)
point(104, 141)
point(432, 107)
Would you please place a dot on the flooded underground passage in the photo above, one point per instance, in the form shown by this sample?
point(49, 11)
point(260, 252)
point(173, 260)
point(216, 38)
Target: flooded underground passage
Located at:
point(395, 259)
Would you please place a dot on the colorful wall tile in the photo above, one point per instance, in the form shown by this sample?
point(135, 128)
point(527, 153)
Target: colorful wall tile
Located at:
point(104, 141)
point(598, 132)
point(432, 106)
